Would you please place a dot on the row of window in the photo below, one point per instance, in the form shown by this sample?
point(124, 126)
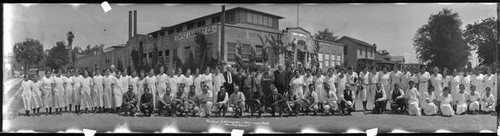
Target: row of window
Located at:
point(366, 53)
point(259, 19)
point(189, 26)
point(246, 50)
point(329, 60)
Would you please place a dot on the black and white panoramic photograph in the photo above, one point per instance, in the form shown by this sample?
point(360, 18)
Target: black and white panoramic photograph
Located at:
point(261, 68)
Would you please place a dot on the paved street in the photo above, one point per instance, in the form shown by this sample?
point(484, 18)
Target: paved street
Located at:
point(385, 122)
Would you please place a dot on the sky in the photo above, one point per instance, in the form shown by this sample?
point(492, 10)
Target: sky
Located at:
point(390, 26)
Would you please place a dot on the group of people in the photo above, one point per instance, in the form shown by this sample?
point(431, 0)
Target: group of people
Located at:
point(180, 92)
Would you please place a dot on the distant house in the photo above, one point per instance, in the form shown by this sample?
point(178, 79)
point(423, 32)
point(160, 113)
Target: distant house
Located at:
point(357, 53)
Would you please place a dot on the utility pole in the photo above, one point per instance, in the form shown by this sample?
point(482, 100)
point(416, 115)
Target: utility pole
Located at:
point(297, 14)
point(496, 58)
point(222, 32)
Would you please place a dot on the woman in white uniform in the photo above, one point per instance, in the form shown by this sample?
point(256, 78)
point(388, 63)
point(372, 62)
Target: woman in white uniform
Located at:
point(37, 95)
point(413, 100)
point(86, 100)
point(197, 81)
point(319, 80)
point(466, 80)
point(297, 83)
point(490, 80)
point(151, 85)
point(118, 90)
point(218, 81)
point(188, 81)
point(47, 85)
point(455, 81)
point(99, 91)
point(141, 84)
point(59, 91)
point(385, 81)
point(26, 94)
point(161, 84)
point(437, 81)
point(488, 101)
point(206, 79)
point(473, 99)
point(374, 79)
point(108, 91)
point(423, 82)
point(446, 100)
point(429, 106)
point(68, 90)
point(461, 100)
point(77, 95)
point(478, 81)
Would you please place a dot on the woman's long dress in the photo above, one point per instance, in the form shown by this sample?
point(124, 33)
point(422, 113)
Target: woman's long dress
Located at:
point(59, 101)
point(297, 85)
point(462, 102)
point(37, 95)
point(68, 90)
point(77, 89)
point(446, 109)
point(26, 94)
point(108, 95)
point(413, 107)
point(423, 84)
point(47, 90)
point(429, 107)
point(197, 84)
point(454, 85)
point(99, 91)
point(322, 95)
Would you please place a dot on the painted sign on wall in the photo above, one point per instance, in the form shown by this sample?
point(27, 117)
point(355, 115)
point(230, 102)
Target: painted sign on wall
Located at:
point(192, 33)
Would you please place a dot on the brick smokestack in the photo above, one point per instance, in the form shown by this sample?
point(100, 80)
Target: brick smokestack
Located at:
point(135, 23)
point(129, 25)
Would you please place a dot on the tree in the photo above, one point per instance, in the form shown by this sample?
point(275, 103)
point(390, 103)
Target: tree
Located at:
point(384, 52)
point(141, 54)
point(326, 35)
point(482, 36)
point(70, 37)
point(201, 40)
point(58, 56)
point(440, 42)
point(28, 53)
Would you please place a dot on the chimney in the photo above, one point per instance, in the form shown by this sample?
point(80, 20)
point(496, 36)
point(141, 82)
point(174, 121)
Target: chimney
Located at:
point(129, 25)
point(135, 23)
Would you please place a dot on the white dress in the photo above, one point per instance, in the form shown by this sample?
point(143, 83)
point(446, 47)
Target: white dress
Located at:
point(446, 81)
point(437, 82)
point(474, 101)
point(218, 81)
point(59, 101)
point(384, 80)
point(77, 89)
point(108, 99)
point(207, 80)
point(297, 84)
point(461, 99)
point(467, 82)
point(151, 84)
point(188, 81)
point(491, 81)
point(429, 107)
point(320, 89)
point(454, 85)
point(26, 94)
point(446, 106)
point(331, 83)
point(161, 84)
point(134, 81)
point(374, 79)
point(118, 93)
point(68, 89)
point(97, 98)
point(413, 107)
point(395, 78)
point(37, 95)
point(47, 90)
point(423, 84)
point(478, 81)
point(86, 101)
point(488, 104)
point(197, 84)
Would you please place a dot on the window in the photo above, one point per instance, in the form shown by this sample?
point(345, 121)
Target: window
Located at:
point(264, 20)
point(366, 52)
point(167, 53)
point(249, 17)
point(260, 20)
point(160, 53)
point(167, 57)
point(170, 31)
point(255, 18)
point(246, 49)
point(150, 54)
point(327, 58)
point(144, 55)
point(162, 33)
point(320, 56)
point(345, 51)
point(259, 49)
point(231, 51)
point(187, 52)
point(190, 26)
point(179, 29)
point(201, 23)
point(215, 20)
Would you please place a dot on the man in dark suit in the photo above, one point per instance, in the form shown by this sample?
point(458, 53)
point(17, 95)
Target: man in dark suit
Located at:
point(280, 80)
point(230, 79)
point(278, 102)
